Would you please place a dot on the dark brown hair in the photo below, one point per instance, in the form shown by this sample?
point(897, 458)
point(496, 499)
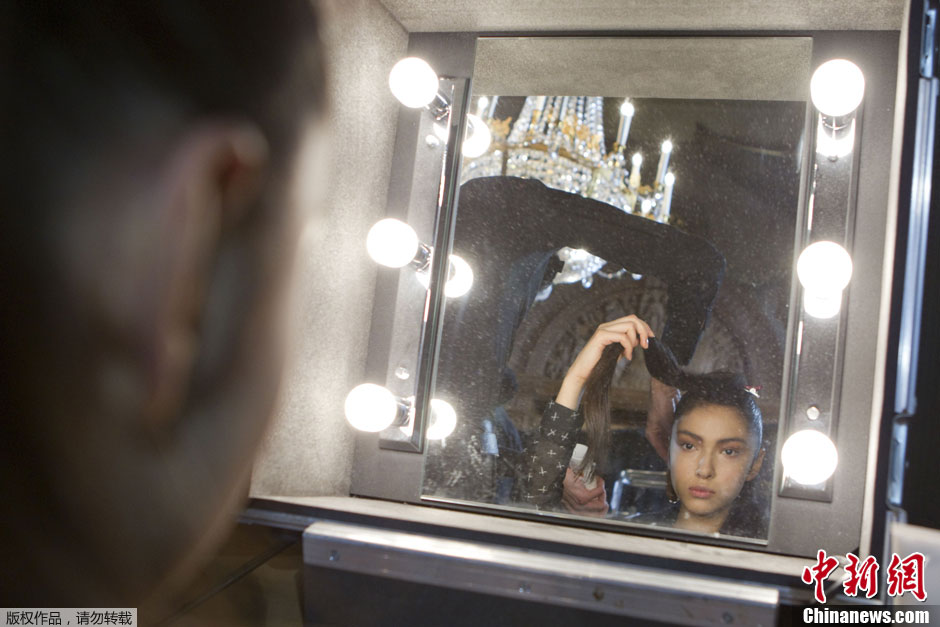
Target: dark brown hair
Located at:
point(714, 388)
point(596, 407)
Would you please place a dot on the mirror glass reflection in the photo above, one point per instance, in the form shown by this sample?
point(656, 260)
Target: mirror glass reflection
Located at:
point(589, 222)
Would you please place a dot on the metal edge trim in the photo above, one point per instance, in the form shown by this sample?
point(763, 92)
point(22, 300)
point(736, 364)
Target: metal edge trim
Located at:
point(881, 350)
point(538, 576)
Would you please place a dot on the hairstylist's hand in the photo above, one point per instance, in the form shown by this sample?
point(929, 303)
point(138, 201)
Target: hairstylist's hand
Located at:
point(660, 416)
point(577, 499)
point(628, 331)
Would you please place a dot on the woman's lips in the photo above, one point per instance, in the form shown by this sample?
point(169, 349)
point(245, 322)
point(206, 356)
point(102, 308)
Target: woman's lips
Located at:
point(701, 493)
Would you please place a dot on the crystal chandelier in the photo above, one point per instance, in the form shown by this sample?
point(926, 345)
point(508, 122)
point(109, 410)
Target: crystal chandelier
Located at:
point(559, 140)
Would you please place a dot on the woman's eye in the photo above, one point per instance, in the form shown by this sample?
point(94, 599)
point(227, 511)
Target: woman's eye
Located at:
point(688, 446)
point(731, 452)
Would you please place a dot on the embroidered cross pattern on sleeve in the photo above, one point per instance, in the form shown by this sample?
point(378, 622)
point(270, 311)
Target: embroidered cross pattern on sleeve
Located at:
point(548, 456)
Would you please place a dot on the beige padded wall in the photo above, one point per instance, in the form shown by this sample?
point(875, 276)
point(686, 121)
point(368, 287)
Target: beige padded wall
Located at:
point(308, 449)
point(736, 68)
point(655, 15)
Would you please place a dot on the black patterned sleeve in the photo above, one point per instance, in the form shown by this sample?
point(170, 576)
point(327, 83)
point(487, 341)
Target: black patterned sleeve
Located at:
point(548, 455)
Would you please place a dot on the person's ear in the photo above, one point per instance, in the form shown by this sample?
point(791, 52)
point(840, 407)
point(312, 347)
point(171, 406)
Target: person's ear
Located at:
point(756, 466)
point(212, 176)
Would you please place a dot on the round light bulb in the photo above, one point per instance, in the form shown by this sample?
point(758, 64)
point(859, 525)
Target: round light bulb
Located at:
point(443, 420)
point(459, 278)
point(392, 243)
point(413, 82)
point(627, 109)
point(477, 137)
point(667, 146)
point(637, 159)
point(809, 457)
point(824, 268)
point(670, 179)
point(370, 407)
point(837, 87)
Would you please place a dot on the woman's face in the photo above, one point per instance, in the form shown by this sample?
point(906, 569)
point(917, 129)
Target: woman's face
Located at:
point(711, 455)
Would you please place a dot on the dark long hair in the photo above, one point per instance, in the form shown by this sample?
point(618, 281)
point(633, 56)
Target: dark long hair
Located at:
point(714, 388)
point(596, 407)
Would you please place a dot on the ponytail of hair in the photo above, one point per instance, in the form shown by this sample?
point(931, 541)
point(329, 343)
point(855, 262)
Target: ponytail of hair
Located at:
point(663, 365)
point(596, 407)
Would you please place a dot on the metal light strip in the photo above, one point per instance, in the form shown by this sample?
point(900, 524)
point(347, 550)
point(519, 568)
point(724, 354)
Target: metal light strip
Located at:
point(817, 368)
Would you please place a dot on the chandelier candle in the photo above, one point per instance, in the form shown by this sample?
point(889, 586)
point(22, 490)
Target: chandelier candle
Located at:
point(635, 172)
point(663, 162)
point(483, 105)
point(670, 182)
point(626, 118)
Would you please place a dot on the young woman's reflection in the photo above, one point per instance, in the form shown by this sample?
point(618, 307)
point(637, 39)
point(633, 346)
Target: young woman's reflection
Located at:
point(510, 230)
point(714, 449)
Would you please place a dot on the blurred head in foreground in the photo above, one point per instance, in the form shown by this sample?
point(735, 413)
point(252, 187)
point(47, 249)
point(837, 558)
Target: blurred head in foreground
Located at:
point(148, 227)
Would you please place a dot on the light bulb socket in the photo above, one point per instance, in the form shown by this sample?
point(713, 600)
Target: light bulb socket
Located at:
point(405, 412)
point(439, 107)
point(836, 123)
point(422, 258)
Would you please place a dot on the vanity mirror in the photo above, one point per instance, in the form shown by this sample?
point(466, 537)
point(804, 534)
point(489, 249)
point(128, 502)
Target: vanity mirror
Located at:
point(561, 235)
point(733, 182)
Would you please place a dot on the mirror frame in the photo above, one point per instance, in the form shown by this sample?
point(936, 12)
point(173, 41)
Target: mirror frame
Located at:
point(798, 526)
